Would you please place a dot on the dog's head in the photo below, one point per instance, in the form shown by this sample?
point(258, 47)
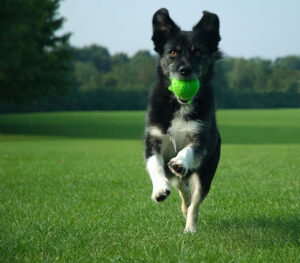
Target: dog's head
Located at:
point(183, 54)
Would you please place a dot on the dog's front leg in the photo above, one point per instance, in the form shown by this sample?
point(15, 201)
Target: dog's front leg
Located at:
point(155, 167)
point(186, 159)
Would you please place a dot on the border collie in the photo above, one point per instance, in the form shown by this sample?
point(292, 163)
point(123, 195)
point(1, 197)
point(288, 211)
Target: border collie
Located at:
point(182, 140)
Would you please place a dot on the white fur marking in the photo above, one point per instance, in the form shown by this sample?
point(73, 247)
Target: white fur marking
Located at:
point(186, 155)
point(155, 167)
point(155, 131)
point(180, 128)
point(184, 110)
point(183, 126)
point(168, 144)
point(175, 138)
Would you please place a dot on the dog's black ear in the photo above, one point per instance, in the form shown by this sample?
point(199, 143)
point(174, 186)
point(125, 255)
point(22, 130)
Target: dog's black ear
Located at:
point(208, 27)
point(163, 27)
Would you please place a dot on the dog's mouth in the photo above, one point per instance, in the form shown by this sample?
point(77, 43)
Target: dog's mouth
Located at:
point(182, 101)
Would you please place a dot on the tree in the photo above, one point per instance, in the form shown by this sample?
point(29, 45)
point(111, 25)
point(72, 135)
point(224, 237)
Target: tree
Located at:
point(95, 54)
point(241, 78)
point(87, 76)
point(34, 61)
point(289, 62)
point(119, 59)
point(263, 71)
point(136, 75)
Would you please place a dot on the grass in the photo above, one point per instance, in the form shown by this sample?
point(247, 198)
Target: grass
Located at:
point(74, 189)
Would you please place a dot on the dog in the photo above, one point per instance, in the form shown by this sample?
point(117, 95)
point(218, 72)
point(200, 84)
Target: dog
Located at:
point(182, 141)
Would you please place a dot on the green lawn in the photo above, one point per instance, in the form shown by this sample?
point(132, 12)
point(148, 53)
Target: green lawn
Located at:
point(73, 188)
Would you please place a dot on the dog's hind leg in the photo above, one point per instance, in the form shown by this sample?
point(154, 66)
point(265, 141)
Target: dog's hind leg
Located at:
point(192, 211)
point(184, 192)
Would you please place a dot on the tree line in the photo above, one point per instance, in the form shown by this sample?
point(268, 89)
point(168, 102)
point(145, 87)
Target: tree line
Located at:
point(40, 71)
point(122, 82)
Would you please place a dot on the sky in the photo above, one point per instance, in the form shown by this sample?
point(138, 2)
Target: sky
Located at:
point(249, 28)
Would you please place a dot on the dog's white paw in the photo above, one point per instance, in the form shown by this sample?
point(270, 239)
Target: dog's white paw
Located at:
point(160, 192)
point(190, 229)
point(178, 167)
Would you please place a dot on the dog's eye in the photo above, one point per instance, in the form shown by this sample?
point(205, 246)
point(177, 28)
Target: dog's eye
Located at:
point(197, 53)
point(173, 53)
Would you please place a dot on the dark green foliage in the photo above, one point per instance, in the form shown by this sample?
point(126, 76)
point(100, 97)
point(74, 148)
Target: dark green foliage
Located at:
point(239, 83)
point(98, 56)
point(289, 62)
point(257, 83)
point(118, 59)
point(39, 71)
point(87, 76)
point(34, 62)
point(242, 75)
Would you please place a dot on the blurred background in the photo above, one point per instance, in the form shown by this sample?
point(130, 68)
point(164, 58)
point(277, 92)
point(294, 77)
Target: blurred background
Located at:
point(97, 55)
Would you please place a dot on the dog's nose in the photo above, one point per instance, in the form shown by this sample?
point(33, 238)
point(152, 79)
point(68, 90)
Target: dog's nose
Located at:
point(185, 70)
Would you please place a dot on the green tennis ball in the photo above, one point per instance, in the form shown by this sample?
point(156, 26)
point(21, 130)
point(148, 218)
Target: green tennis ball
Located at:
point(185, 89)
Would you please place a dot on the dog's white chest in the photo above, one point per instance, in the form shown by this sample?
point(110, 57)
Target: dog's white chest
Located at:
point(179, 131)
point(176, 137)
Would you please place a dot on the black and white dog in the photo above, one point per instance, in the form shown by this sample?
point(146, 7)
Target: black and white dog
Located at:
point(182, 139)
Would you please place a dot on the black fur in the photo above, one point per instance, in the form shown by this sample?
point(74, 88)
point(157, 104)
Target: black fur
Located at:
point(196, 52)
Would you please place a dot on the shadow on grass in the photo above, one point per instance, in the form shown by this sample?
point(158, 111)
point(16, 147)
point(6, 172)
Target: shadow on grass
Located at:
point(263, 231)
point(129, 126)
point(230, 134)
point(259, 134)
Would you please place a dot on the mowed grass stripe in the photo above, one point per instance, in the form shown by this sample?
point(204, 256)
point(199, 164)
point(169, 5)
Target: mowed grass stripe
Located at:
point(73, 199)
point(236, 126)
